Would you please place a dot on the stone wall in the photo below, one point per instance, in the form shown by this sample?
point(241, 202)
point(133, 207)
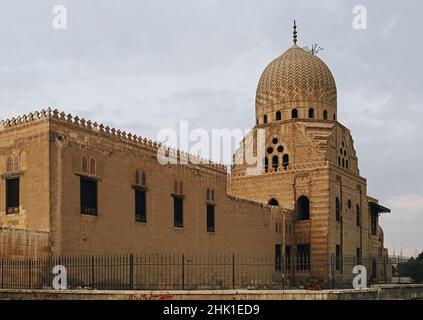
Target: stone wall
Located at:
point(241, 225)
point(23, 244)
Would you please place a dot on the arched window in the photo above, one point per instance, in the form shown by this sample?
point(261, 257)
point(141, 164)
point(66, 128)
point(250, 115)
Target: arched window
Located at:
point(343, 163)
point(143, 178)
point(92, 166)
point(294, 114)
point(137, 177)
point(84, 164)
point(278, 116)
point(16, 164)
point(266, 164)
point(9, 165)
point(275, 163)
point(325, 115)
point(337, 209)
point(311, 113)
point(303, 208)
point(265, 119)
point(334, 116)
point(357, 215)
point(273, 202)
point(285, 161)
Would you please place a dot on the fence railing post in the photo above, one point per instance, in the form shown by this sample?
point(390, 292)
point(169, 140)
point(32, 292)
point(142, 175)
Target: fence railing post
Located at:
point(2, 273)
point(131, 271)
point(92, 273)
point(183, 272)
point(233, 271)
point(29, 273)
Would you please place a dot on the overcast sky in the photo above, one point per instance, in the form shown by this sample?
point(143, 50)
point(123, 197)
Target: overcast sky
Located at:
point(145, 65)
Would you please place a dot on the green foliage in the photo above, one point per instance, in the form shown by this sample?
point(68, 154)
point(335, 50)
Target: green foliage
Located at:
point(412, 268)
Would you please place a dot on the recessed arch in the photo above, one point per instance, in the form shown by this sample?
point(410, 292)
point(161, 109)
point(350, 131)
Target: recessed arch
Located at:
point(275, 163)
point(265, 119)
point(337, 209)
point(285, 161)
point(311, 113)
point(266, 164)
point(303, 208)
point(84, 164)
point(325, 114)
point(294, 113)
point(278, 116)
point(92, 166)
point(9, 165)
point(273, 202)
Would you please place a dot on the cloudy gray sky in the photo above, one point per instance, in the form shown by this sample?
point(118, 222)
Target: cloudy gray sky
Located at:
point(145, 65)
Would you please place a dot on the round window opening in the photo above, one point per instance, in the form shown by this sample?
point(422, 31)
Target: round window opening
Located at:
point(275, 140)
point(269, 150)
point(280, 149)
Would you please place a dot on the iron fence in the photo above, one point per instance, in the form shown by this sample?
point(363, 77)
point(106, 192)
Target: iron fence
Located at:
point(190, 272)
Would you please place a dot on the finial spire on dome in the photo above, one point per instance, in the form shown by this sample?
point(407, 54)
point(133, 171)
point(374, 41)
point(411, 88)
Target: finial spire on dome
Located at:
point(295, 33)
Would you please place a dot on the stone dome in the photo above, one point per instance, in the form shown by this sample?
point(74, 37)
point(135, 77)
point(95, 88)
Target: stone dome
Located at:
point(296, 76)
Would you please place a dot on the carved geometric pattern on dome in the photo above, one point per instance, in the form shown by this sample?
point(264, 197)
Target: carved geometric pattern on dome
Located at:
point(296, 75)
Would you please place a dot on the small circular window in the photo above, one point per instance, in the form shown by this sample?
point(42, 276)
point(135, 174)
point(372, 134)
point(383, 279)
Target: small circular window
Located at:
point(275, 140)
point(280, 148)
point(269, 150)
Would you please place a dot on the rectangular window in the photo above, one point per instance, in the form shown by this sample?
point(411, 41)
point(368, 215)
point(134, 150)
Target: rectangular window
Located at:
point(338, 257)
point(12, 195)
point(88, 196)
point(178, 212)
point(303, 257)
point(210, 218)
point(287, 258)
point(140, 206)
point(278, 257)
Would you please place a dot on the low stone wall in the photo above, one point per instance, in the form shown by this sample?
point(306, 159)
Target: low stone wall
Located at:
point(385, 292)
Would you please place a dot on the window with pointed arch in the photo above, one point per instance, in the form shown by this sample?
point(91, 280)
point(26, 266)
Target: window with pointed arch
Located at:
point(84, 164)
point(9, 168)
point(278, 116)
point(275, 163)
point(16, 163)
point(266, 164)
point(303, 209)
point(137, 177)
point(92, 166)
point(285, 161)
point(311, 113)
point(294, 114)
point(273, 202)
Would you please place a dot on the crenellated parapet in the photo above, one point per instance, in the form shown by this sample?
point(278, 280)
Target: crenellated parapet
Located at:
point(107, 131)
